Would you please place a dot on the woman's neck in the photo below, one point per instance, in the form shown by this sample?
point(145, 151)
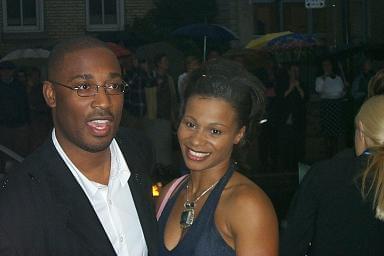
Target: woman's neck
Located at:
point(201, 180)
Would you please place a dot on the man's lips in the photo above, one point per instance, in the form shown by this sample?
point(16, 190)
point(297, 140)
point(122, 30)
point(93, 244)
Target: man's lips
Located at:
point(100, 126)
point(104, 117)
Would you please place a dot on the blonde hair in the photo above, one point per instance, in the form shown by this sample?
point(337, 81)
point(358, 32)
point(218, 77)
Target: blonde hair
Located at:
point(376, 84)
point(371, 115)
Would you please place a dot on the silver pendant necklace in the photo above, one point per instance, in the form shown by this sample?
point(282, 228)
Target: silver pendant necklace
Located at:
point(188, 215)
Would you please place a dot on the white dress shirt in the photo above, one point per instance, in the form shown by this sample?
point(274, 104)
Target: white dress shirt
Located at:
point(113, 203)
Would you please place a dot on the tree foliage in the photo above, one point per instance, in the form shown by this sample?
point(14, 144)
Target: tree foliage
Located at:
point(171, 14)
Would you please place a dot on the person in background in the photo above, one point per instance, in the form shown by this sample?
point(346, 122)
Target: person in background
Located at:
point(268, 144)
point(291, 127)
point(166, 101)
point(143, 65)
point(162, 114)
point(135, 105)
point(338, 208)
point(360, 84)
point(376, 84)
point(213, 54)
point(330, 87)
point(215, 210)
point(21, 76)
point(86, 190)
point(14, 114)
point(191, 63)
point(41, 123)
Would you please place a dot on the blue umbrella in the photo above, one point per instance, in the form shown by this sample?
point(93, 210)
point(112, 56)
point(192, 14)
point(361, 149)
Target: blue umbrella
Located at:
point(206, 31)
point(292, 41)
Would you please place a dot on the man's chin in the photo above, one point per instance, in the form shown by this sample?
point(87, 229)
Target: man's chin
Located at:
point(96, 147)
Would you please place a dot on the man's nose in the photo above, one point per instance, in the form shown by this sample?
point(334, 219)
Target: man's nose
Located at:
point(101, 98)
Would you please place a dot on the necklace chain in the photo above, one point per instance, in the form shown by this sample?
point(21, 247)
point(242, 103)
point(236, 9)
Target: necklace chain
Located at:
point(188, 215)
point(202, 193)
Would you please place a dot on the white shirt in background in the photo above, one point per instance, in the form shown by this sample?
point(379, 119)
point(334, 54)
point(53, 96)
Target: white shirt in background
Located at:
point(329, 88)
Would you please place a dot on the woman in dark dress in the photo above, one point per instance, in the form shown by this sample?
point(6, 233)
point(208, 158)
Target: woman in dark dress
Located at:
point(291, 126)
point(330, 88)
point(215, 210)
point(339, 207)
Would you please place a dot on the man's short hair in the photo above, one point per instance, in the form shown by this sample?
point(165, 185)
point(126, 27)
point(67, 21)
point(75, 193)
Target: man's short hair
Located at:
point(68, 46)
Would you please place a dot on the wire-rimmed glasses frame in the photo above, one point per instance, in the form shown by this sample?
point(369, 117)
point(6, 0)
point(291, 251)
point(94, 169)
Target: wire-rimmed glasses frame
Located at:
point(110, 88)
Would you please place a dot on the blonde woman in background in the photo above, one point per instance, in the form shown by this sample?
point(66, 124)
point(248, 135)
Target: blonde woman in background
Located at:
point(338, 209)
point(369, 140)
point(376, 84)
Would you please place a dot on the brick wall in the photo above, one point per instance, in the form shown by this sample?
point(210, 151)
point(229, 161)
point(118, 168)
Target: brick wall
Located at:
point(136, 8)
point(375, 21)
point(64, 19)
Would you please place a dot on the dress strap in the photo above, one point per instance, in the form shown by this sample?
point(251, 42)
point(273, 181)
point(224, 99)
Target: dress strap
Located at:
point(210, 205)
point(175, 184)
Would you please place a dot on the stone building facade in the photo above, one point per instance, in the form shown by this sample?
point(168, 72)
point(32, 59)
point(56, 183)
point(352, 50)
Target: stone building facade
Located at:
point(340, 22)
point(53, 20)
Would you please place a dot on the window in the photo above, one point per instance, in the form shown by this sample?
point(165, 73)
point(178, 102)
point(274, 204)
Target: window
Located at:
point(295, 17)
point(23, 15)
point(104, 15)
point(265, 18)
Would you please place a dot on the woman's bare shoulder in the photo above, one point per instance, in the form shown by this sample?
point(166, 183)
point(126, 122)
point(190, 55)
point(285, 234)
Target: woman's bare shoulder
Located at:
point(250, 217)
point(245, 197)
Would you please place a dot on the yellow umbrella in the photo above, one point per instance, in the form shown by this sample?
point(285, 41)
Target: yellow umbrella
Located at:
point(261, 41)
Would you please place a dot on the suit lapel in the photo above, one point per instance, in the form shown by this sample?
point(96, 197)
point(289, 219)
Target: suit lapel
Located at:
point(141, 197)
point(74, 206)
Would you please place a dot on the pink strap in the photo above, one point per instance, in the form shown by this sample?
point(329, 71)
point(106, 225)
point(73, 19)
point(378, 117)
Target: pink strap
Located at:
point(168, 195)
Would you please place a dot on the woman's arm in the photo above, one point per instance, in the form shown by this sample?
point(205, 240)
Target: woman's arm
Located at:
point(290, 88)
point(253, 223)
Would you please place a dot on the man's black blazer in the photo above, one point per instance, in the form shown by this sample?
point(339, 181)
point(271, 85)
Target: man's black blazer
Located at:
point(44, 211)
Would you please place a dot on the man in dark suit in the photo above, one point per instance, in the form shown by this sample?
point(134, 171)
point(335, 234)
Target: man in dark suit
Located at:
point(86, 190)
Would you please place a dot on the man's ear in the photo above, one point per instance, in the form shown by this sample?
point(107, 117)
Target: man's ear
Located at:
point(49, 94)
point(240, 135)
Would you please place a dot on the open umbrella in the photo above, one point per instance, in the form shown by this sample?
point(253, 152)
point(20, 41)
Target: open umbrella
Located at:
point(292, 41)
point(119, 50)
point(263, 40)
point(27, 53)
point(206, 31)
point(29, 57)
point(294, 47)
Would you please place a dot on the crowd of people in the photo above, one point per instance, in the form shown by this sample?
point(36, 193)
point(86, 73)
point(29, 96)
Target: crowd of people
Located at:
point(85, 189)
point(338, 208)
point(24, 116)
point(154, 97)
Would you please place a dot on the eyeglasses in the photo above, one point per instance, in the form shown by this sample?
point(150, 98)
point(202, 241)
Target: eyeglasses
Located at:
point(86, 89)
